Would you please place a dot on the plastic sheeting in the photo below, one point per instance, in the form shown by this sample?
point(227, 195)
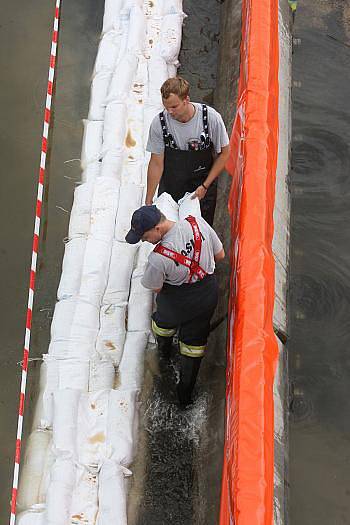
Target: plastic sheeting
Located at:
point(248, 470)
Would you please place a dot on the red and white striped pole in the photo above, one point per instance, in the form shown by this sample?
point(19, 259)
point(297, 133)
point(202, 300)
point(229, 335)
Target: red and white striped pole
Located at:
point(47, 116)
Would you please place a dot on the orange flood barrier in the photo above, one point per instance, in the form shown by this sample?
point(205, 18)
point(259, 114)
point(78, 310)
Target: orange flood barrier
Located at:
point(248, 470)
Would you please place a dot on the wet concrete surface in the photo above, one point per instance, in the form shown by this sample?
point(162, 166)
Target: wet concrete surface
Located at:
point(25, 40)
point(319, 297)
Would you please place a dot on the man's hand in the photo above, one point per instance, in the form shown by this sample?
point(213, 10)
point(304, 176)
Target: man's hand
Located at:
point(199, 193)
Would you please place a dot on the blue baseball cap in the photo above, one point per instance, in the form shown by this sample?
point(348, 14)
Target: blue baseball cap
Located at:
point(143, 219)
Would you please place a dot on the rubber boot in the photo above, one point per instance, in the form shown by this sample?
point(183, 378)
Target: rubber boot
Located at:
point(189, 368)
point(165, 345)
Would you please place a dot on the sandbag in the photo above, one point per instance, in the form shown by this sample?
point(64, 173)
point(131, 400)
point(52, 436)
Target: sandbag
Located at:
point(112, 494)
point(65, 415)
point(91, 172)
point(171, 34)
point(111, 15)
point(172, 70)
point(130, 199)
point(92, 428)
point(112, 164)
point(74, 319)
point(59, 494)
point(104, 208)
point(98, 97)
point(158, 74)
point(39, 423)
point(121, 266)
point(122, 78)
point(114, 131)
point(72, 267)
point(108, 51)
point(32, 468)
point(140, 304)
point(122, 425)
point(92, 142)
point(102, 374)
point(134, 134)
point(137, 30)
point(133, 173)
point(79, 222)
point(84, 505)
point(112, 333)
point(132, 364)
point(168, 206)
point(189, 206)
point(32, 516)
point(95, 269)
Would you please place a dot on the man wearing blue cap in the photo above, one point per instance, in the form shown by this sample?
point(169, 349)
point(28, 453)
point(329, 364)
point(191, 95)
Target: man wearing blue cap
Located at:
point(181, 270)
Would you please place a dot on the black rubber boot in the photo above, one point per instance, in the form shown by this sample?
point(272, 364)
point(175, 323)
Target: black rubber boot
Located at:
point(189, 368)
point(165, 345)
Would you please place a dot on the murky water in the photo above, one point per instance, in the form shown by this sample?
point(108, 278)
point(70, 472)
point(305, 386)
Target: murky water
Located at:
point(320, 275)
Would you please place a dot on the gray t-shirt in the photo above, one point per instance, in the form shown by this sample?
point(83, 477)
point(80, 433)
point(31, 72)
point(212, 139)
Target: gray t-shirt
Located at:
point(186, 132)
point(179, 238)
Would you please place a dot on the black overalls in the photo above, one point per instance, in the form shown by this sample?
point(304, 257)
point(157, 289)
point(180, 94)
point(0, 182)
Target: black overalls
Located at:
point(185, 170)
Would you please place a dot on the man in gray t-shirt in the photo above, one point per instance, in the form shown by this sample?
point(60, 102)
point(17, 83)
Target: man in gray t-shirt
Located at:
point(181, 271)
point(189, 148)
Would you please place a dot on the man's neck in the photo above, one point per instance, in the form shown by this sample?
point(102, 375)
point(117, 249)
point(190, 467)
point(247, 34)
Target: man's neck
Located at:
point(166, 226)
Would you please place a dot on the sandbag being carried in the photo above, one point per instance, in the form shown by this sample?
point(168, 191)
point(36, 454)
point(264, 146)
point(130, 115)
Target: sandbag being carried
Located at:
point(189, 206)
point(168, 206)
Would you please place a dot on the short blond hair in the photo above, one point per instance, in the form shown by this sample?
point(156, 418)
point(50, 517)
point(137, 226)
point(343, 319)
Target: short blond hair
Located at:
point(176, 86)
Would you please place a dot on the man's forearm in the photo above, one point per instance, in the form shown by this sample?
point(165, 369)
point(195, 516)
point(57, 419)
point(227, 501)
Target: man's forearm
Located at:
point(154, 175)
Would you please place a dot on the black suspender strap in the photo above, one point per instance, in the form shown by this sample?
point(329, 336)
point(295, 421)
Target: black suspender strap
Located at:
point(167, 137)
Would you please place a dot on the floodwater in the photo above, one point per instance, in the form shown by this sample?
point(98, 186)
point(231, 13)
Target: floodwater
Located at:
point(320, 260)
point(181, 487)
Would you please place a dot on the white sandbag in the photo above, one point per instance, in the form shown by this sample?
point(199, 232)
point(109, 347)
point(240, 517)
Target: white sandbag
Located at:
point(98, 98)
point(112, 333)
point(32, 516)
point(84, 505)
point(72, 266)
point(154, 24)
point(108, 51)
point(168, 206)
point(139, 88)
point(122, 78)
point(32, 468)
point(130, 199)
point(92, 427)
point(74, 320)
point(92, 142)
point(171, 6)
point(121, 266)
point(158, 74)
point(133, 173)
point(132, 364)
point(91, 172)
point(172, 70)
point(102, 374)
point(140, 305)
point(59, 494)
point(134, 135)
point(114, 131)
point(104, 208)
point(142, 256)
point(189, 206)
point(112, 494)
point(50, 458)
point(94, 273)
point(112, 164)
point(137, 30)
point(79, 222)
point(170, 41)
point(65, 410)
point(121, 425)
point(111, 15)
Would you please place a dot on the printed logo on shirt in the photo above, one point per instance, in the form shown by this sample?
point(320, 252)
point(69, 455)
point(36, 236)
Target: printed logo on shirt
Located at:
point(189, 246)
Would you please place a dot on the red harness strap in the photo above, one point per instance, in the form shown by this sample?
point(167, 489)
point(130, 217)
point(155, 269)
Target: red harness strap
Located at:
point(191, 264)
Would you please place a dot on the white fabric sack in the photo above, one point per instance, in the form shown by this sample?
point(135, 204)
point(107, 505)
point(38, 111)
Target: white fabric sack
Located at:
point(111, 15)
point(98, 97)
point(120, 271)
point(137, 30)
point(158, 74)
point(140, 305)
point(32, 516)
point(79, 222)
point(95, 271)
point(111, 337)
point(74, 320)
point(50, 458)
point(139, 89)
point(189, 206)
point(65, 410)
point(112, 164)
point(168, 206)
point(134, 135)
point(171, 6)
point(91, 172)
point(172, 70)
point(108, 51)
point(121, 425)
point(59, 494)
point(114, 131)
point(92, 142)
point(122, 78)
point(84, 504)
point(102, 374)
point(72, 267)
point(133, 173)
point(130, 199)
point(104, 208)
point(132, 364)
point(112, 494)
point(171, 35)
point(32, 468)
point(92, 427)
